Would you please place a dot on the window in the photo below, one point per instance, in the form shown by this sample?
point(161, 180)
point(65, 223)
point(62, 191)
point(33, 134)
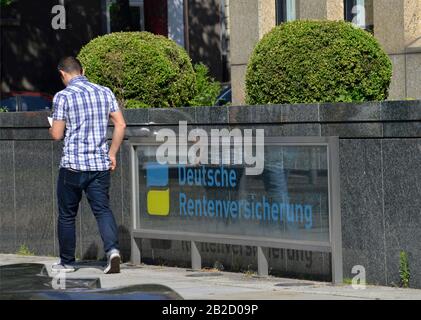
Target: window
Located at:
point(125, 15)
point(360, 13)
point(285, 11)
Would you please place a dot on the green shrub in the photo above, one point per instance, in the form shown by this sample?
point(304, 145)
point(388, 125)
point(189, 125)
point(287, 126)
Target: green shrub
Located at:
point(317, 61)
point(207, 88)
point(4, 109)
point(4, 3)
point(404, 272)
point(135, 104)
point(141, 66)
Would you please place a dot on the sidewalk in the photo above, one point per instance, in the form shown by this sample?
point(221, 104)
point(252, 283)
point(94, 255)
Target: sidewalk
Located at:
point(221, 285)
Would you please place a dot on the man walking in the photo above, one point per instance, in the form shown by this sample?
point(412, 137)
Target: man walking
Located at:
point(81, 114)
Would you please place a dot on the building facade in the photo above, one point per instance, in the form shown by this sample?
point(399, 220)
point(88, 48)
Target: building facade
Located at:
point(36, 34)
point(395, 23)
point(219, 33)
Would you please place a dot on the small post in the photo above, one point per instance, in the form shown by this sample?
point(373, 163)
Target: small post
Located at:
point(135, 251)
point(136, 244)
point(335, 212)
point(262, 262)
point(196, 259)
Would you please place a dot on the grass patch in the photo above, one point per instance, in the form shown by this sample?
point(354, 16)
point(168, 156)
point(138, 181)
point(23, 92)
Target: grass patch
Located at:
point(24, 251)
point(404, 272)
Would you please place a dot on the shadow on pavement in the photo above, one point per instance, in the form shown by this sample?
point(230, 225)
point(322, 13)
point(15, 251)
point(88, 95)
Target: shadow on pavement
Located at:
point(30, 281)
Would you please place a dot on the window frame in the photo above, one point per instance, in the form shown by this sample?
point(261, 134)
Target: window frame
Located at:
point(132, 3)
point(350, 16)
point(282, 13)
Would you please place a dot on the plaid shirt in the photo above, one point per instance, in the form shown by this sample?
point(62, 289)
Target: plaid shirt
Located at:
point(85, 107)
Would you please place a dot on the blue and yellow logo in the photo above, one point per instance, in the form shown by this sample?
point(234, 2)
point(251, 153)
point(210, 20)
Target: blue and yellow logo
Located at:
point(158, 197)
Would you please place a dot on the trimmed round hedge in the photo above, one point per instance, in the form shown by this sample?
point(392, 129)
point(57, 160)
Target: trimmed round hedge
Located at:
point(142, 69)
point(317, 61)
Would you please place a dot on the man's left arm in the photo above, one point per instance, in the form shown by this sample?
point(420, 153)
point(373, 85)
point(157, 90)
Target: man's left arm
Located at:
point(59, 117)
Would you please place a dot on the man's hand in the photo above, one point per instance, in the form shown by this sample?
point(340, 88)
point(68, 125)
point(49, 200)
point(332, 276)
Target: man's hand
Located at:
point(57, 130)
point(113, 159)
point(118, 136)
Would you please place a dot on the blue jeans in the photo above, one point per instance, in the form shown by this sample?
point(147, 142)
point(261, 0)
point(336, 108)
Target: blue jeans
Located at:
point(96, 186)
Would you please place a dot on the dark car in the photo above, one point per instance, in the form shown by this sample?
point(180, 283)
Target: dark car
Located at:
point(224, 96)
point(25, 101)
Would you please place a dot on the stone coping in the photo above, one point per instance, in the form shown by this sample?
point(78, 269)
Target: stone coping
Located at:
point(386, 111)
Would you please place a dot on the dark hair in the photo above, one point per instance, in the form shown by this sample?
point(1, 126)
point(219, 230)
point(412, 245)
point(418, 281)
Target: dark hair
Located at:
point(70, 65)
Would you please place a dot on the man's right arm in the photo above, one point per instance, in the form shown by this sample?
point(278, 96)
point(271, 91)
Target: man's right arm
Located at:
point(118, 135)
point(60, 109)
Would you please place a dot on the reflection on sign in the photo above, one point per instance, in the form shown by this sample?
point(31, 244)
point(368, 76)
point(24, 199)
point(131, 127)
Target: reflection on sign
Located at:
point(288, 200)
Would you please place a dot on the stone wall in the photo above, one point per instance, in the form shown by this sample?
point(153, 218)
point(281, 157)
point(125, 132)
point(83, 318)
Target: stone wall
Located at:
point(380, 174)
